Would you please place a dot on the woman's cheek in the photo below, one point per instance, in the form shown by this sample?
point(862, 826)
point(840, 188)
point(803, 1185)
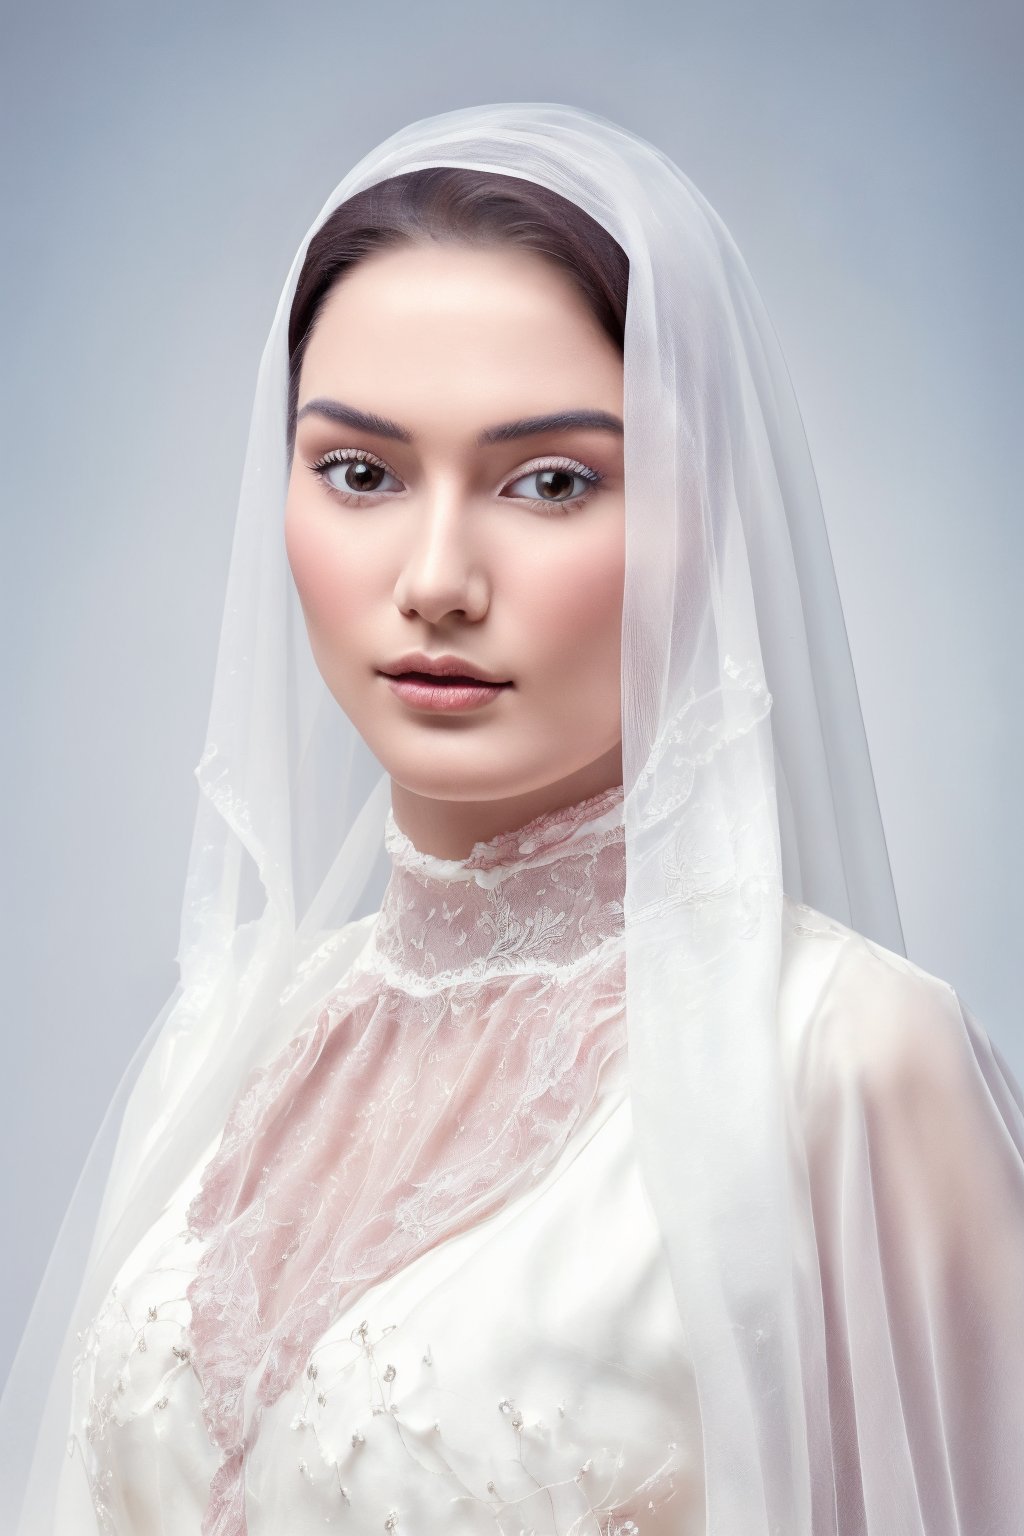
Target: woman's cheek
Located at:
point(322, 575)
point(583, 603)
point(304, 547)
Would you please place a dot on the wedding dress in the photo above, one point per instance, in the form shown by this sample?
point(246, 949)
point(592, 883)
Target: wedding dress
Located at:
point(528, 1373)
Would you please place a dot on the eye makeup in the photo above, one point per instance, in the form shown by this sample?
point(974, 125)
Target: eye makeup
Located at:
point(351, 495)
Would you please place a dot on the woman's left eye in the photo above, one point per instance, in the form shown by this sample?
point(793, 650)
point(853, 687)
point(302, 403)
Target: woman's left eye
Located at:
point(554, 481)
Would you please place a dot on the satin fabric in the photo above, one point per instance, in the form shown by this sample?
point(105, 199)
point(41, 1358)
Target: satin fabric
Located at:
point(529, 1374)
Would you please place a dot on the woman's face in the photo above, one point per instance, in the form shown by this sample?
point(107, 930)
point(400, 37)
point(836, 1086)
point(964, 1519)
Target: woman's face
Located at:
point(431, 508)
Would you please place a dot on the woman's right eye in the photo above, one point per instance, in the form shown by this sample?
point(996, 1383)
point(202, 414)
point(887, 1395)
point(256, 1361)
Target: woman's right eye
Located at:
point(354, 473)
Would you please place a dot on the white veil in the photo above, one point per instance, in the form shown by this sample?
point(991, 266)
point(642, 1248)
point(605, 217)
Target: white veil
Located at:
point(746, 771)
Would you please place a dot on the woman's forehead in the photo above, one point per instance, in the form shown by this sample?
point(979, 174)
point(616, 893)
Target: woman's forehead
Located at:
point(415, 336)
point(469, 293)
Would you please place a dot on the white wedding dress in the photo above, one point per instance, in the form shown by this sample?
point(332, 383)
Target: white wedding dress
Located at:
point(529, 1373)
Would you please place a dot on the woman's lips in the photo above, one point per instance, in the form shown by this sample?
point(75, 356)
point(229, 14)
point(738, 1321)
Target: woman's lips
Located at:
point(421, 690)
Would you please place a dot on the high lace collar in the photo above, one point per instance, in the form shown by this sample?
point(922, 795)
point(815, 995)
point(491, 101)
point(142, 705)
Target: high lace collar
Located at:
point(543, 897)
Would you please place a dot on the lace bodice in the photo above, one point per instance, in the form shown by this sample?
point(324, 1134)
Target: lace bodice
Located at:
point(417, 1279)
point(528, 1375)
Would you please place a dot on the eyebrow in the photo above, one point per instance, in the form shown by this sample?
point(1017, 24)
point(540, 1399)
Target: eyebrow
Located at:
point(504, 432)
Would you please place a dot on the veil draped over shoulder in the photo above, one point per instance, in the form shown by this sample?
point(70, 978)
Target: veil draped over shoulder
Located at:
point(841, 1201)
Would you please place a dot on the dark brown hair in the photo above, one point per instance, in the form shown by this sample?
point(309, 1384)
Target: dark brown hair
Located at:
point(466, 207)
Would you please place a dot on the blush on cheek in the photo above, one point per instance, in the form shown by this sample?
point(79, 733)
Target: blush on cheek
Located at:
point(304, 548)
point(582, 600)
point(320, 573)
point(573, 621)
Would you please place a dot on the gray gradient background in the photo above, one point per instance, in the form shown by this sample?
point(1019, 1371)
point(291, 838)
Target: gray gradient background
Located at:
point(158, 173)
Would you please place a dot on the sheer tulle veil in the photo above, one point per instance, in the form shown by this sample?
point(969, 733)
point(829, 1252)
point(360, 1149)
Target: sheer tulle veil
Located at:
point(746, 774)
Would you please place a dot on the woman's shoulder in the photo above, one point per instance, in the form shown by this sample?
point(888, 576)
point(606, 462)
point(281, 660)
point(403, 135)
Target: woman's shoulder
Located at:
point(852, 1011)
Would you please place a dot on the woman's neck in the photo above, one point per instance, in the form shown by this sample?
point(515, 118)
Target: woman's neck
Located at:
point(450, 829)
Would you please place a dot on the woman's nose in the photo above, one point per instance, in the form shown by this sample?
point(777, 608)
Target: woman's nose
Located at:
point(440, 573)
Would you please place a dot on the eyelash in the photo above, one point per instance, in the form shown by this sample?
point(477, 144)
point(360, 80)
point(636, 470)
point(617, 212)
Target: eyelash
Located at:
point(535, 466)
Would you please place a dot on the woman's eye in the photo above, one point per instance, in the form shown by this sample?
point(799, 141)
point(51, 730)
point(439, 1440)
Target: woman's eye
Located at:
point(555, 483)
point(355, 473)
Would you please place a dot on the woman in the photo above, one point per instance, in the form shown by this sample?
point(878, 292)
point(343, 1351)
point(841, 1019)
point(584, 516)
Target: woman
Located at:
point(598, 1180)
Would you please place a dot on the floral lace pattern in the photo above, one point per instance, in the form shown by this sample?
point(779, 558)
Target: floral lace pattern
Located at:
point(543, 900)
point(442, 1078)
